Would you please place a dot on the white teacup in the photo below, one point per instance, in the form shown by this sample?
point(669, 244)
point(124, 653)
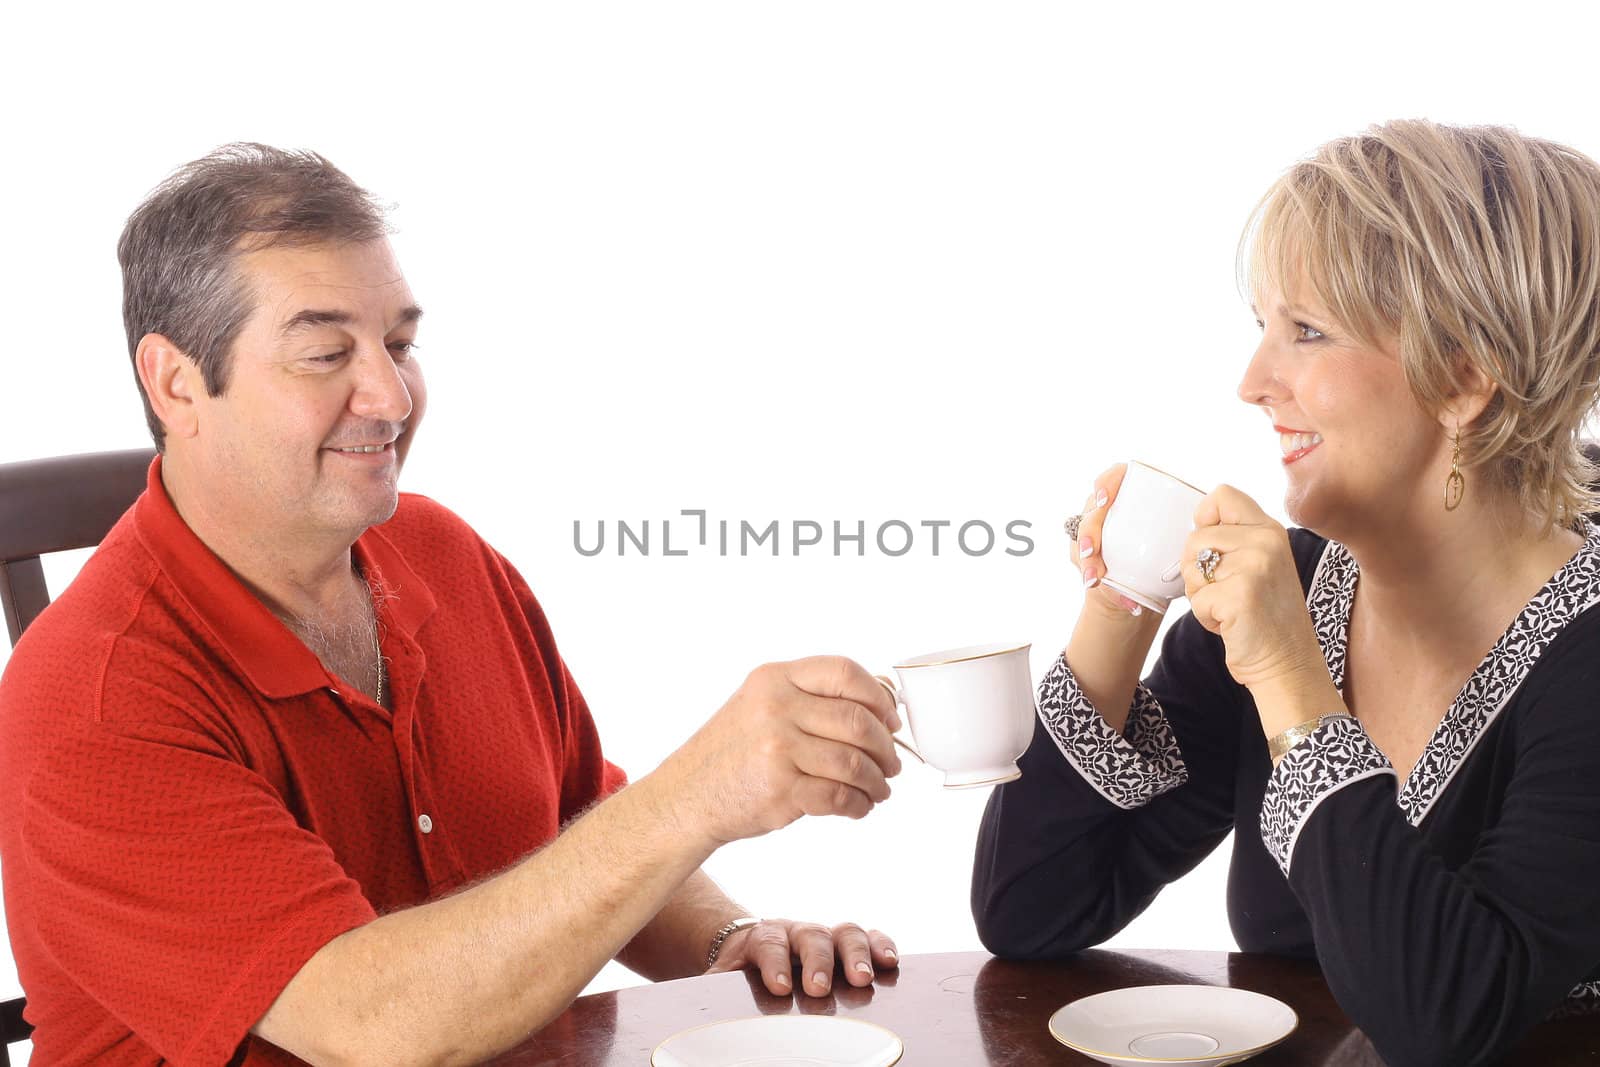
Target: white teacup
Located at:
point(1142, 541)
point(970, 711)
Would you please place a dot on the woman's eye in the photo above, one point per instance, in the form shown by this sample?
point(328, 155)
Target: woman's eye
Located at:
point(1308, 333)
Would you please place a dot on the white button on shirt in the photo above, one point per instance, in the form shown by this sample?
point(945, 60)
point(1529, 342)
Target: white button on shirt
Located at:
point(425, 824)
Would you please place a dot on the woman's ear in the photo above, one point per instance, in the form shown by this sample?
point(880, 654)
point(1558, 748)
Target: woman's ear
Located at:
point(1473, 393)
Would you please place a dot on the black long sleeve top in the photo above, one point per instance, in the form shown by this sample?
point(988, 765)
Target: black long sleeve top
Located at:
point(1449, 912)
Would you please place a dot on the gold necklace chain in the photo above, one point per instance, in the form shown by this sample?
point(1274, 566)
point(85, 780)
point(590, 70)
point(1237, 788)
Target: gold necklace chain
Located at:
point(377, 648)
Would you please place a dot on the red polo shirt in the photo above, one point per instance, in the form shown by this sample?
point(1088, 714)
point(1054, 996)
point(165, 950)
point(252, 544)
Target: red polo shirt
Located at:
point(194, 805)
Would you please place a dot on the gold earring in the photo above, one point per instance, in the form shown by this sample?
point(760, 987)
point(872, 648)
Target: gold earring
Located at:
point(1455, 486)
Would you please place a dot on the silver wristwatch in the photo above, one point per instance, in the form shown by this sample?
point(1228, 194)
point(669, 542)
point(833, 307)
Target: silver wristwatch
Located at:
point(725, 931)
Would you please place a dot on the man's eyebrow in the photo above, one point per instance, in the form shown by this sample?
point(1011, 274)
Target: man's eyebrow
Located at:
point(311, 317)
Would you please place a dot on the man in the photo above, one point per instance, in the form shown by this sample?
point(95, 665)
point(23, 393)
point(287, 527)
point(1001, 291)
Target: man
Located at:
point(287, 764)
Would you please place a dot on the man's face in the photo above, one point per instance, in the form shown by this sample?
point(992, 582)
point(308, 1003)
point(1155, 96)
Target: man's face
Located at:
point(322, 397)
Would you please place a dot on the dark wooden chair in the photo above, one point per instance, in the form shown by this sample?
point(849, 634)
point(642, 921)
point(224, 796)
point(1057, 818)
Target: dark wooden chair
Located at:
point(54, 505)
point(1592, 450)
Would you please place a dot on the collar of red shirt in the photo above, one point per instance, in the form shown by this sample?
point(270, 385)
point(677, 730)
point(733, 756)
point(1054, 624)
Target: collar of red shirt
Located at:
point(276, 662)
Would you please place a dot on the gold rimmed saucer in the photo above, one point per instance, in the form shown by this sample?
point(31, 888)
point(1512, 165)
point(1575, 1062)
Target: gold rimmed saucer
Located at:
point(1192, 1025)
point(794, 1040)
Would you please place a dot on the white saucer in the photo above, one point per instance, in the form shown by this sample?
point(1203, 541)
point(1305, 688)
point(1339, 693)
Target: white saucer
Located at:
point(1195, 1025)
point(781, 1041)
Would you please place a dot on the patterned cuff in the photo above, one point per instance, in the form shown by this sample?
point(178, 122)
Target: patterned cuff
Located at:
point(1337, 754)
point(1583, 1000)
point(1128, 771)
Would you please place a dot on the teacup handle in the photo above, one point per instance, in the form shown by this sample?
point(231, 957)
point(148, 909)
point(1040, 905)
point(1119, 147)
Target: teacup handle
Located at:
point(894, 695)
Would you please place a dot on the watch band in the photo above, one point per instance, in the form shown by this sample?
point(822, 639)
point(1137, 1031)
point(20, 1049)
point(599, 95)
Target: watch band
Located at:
point(725, 931)
point(1280, 745)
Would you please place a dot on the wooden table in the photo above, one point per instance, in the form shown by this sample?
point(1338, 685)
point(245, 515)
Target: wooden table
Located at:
point(968, 1009)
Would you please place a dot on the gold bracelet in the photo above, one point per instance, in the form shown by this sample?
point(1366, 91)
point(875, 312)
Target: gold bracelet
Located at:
point(724, 932)
point(1279, 746)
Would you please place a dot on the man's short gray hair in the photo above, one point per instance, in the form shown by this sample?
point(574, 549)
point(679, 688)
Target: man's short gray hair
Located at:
point(180, 248)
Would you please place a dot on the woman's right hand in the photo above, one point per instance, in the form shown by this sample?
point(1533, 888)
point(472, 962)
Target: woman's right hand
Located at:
point(1113, 634)
point(1086, 551)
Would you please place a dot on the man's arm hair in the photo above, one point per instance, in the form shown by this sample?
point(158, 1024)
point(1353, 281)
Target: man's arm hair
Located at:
point(459, 979)
point(674, 943)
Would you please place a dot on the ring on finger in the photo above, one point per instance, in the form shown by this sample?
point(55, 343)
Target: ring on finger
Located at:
point(1207, 560)
point(1071, 526)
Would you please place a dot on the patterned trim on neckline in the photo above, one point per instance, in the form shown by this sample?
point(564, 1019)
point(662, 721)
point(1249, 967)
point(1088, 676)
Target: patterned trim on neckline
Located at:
point(1128, 771)
point(1570, 591)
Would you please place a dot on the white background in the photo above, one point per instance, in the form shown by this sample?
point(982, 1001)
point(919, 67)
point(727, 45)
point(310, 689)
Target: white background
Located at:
point(827, 261)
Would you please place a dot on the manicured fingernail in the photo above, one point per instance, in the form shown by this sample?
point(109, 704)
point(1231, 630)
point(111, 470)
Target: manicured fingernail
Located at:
point(1136, 610)
point(820, 980)
point(863, 967)
point(1090, 582)
point(1100, 499)
point(890, 955)
point(1085, 548)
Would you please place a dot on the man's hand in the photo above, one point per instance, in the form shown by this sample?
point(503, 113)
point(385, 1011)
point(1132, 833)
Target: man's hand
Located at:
point(775, 945)
point(809, 737)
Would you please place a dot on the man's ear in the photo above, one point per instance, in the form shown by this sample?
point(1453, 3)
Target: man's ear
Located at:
point(172, 381)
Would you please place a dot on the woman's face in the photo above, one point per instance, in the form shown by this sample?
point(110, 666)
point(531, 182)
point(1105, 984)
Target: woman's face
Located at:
point(1360, 453)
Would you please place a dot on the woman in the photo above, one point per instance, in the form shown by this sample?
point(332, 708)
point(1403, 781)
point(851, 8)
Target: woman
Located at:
point(1397, 706)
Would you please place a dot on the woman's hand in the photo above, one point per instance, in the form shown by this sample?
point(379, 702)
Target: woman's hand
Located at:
point(1113, 634)
point(1255, 604)
point(1086, 550)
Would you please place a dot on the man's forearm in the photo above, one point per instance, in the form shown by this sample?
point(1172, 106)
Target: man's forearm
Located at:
point(674, 943)
point(459, 979)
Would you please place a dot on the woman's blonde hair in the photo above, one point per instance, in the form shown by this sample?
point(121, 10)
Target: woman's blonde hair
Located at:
point(1474, 246)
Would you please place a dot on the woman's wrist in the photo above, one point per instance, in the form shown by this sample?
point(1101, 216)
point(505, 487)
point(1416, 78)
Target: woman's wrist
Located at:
point(1292, 701)
point(1278, 745)
point(1106, 653)
point(1104, 607)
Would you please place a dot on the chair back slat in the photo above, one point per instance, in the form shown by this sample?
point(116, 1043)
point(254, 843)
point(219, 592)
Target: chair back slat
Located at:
point(55, 505)
point(12, 1025)
point(23, 593)
point(1592, 450)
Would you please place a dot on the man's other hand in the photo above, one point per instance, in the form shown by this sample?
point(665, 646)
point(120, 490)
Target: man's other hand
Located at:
point(774, 946)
